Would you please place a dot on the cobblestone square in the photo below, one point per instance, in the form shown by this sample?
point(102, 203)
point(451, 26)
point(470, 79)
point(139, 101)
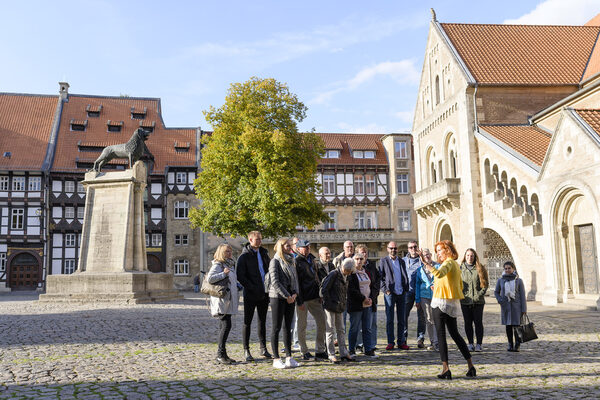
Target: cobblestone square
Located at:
point(156, 351)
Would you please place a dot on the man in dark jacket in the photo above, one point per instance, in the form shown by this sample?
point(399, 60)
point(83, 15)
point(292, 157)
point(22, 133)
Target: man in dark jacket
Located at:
point(251, 268)
point(308, 300)
point(413, 262)
point(394, 284)
point(324, 264)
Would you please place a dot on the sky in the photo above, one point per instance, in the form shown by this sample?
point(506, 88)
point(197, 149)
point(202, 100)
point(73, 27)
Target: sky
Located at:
point(355, 66)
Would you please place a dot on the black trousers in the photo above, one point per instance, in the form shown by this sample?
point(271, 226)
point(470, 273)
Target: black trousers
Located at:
point(443, 321)
point(473, 315)
point(510, 331)
point(224, 329)
point(280, 311)
point(261, 306)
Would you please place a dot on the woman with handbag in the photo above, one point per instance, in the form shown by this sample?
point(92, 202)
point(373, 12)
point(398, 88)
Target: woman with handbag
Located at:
point(283, 289)
point(475, 284)
point(222, 273)
point(360, 301)
point(510, 293)
point(445, 303)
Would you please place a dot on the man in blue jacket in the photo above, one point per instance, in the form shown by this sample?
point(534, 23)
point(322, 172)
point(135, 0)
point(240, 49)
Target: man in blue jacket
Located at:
point(394, 285)
point(413, 263)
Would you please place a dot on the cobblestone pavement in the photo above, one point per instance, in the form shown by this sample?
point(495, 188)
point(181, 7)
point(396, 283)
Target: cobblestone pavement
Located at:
point(167, 350)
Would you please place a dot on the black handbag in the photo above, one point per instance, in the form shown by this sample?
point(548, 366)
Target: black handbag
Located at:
point(526, 331)
point(217, 289)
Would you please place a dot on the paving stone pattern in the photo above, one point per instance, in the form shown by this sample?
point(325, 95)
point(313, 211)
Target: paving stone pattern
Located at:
point(161, 351)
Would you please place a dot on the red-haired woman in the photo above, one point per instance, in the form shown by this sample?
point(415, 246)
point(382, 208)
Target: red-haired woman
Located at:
point(447, 293)
point(475, 284)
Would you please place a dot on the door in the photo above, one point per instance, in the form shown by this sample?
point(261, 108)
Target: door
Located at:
point(587, 266)
point(154, 264)
point(24, 272)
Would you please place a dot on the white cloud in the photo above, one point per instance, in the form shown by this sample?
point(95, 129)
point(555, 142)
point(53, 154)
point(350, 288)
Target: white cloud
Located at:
point(404, 72)
point(559, 12)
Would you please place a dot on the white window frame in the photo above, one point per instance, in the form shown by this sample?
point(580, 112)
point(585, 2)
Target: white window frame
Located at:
point(181, 208)
point(181, 267)
point(4, 183)
point(400, 150)
point(331, 226)
point(2, 262)
point(147, 240)
point(332, 154)
point(156, 239)
point(70, 240)
point(181, 239)
point(404, 223)
point(369, 154)
point(370, 220)
point(403, 184)
point(181, 178)
point(81, 212)
point(359, 219)
point(69, 186)
point(370, 185)
point(69, 212)
point(18, 184)
point(80, 188)
point(17, 220)
point(328, 184)
point(69, 266)
point(359, 185)
point(358, 154)
point(35, 183)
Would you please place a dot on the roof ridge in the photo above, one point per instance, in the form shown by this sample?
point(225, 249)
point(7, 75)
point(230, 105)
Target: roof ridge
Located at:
point(524, 25)
point(27, 94)
point(96, 96)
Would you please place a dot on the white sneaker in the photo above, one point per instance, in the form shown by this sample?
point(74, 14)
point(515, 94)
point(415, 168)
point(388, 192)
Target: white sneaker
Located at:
point(478, 347)
point(471, 347)
point(291, 363)
point(278, 363)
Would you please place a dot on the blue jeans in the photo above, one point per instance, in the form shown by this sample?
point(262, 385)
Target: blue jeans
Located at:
point(397, 301)
point(357, 319)
point(421, 323)
point(196, 288)
point(373, 343)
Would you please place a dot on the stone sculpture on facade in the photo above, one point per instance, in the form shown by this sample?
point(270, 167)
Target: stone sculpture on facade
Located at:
point(134, 150)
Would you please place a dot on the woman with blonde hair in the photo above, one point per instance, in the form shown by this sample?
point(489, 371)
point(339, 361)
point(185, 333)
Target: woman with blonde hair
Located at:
point(283, 290)
point(445, 303)
point(223, 308)
point(475, 284)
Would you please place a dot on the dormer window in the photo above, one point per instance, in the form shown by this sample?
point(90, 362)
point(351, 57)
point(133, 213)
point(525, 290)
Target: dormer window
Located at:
point(137, 113)
point(114, 126)
point(363, 154)
point(148, 125)
point(332, 154)
point(182, 147)
point(93, 111)
point(78, 125)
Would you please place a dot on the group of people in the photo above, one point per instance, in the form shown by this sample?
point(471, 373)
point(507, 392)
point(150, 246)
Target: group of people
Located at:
point(295, 283)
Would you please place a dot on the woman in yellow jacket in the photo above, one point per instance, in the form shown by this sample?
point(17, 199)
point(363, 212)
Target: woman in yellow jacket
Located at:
point(447, 292)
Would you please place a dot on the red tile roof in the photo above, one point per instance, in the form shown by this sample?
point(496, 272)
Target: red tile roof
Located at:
point(524, 54)
point(25, 128)
point(591, 117)
point(527, 140)
point(365, 141)
point(161, 142)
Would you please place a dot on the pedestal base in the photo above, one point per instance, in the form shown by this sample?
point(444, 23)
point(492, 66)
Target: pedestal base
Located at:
point(111, 287)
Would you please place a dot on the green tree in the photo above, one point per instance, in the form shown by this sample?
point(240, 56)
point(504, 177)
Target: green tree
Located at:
point(257, 170)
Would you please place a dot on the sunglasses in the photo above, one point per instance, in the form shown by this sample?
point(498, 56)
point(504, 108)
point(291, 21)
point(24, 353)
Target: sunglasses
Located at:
point(393, 248)
point(412, 247)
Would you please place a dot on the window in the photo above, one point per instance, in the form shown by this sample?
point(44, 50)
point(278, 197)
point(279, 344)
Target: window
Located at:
point(181, 267)
point(181, 209)
point(370, 184)
point(4, 183)
point(181, 240)
point(404, 220)
point(369, 154)
point(18, 183)
point(400, 150)
point(359, 185)
point(80, 188)
point(18, 218)
point(437, 90)
point(402, 182)
point(365, 220)
point(138, 114)
point(80, 212)
point(331, 226)
point(181, 178)
point(93, 114)
point(332, 154)
point(328, 184)
point(147, 240)
point(69, 266)
point(2, 262)
point(69, 212)
point(114, 126)
point(358, 154)
point(69, 186)
point(156, 239)
point(70, 240)
point(78, 125)
point(35, 183)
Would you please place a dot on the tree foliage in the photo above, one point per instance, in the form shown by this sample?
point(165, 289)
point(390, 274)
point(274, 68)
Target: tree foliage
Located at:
point(257, 170)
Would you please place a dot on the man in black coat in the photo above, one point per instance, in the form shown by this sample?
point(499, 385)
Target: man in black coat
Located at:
point(251, 268)
point(394, 285)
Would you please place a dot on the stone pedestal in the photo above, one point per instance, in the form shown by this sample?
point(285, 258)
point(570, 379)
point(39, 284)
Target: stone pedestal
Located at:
point(112, 257)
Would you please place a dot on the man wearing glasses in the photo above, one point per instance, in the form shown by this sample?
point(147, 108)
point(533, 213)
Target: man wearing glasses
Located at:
point(394, 285)
point(347, 253)
point(413, 263)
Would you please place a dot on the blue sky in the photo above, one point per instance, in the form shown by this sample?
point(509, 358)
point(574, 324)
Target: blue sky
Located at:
point(355, 66)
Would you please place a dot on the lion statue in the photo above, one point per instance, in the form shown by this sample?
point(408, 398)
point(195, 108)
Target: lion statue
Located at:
point(134, 150)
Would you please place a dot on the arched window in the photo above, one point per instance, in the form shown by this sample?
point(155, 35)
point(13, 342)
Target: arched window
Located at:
point(489, 182)
point(437, 90)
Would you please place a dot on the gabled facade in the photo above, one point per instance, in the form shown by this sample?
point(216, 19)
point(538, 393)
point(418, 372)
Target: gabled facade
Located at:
point(506, 150)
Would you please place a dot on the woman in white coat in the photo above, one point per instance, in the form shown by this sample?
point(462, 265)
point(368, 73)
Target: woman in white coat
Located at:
point(223, 308)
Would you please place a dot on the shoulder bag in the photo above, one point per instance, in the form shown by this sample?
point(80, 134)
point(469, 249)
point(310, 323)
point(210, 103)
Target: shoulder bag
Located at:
point(217, 289)
point(526, 331)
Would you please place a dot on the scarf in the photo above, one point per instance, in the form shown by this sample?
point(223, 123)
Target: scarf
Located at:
point(289, 268)
point(510, 290)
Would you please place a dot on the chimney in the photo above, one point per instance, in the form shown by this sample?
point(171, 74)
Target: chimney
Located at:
point(64, 90)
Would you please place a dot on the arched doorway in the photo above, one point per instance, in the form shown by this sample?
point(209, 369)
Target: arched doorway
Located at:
point(575, 244)
point(154, 264)
point(25, 271)
point(496, 252)
point(446, 233)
